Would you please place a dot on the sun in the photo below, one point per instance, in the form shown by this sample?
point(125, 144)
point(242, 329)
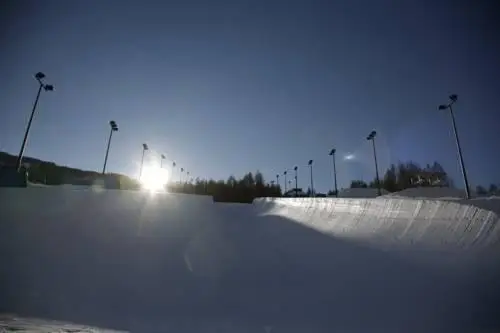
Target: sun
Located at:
point(154, 178)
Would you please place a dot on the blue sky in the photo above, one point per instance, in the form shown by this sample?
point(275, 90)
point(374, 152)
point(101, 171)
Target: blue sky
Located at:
point(229, 86)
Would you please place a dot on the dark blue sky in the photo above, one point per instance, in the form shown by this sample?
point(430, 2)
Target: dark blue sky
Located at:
point(224, 87)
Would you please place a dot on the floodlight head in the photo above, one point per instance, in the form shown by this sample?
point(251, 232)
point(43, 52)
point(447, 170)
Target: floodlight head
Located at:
point(48, 87)
point(114, 128)
point(332, 152)
point(173, 164)
point(454, 97)
point(145, 146)
point(39, 76)
point(112, 123)
point(373, 133)
point(443, 107)
point(295, 168)
point(284, 173)
point(162, 156)
point(182, 169)
point(310, 162)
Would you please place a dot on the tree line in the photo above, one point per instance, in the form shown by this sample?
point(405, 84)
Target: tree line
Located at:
point(243, 190)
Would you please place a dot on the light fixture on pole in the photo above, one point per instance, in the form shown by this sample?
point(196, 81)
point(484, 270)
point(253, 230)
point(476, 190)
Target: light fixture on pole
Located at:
point(284, 174)
point(332, 153)
point(47, 87)
point(278, 180)
point(296, 187)
point(162, 157)
point(310, 163)
point(114, 128)
point(371, 137)
point(144, 148)
point(453, 99)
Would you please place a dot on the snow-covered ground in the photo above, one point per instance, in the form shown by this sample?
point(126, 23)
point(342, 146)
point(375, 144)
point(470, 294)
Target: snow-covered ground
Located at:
point(443, 193)
point(129, 260)
point(360, 192)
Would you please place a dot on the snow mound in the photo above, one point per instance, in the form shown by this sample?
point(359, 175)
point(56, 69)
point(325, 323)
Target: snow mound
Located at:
point(443, 193)
point(13, 323)
point(360, 193)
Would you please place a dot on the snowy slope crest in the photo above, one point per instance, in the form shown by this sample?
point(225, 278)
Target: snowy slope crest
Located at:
point(13, 323)
point(445, 226)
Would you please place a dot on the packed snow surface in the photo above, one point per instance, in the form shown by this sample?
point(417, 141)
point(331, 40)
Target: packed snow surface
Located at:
point(162, 262)
point(360, 192)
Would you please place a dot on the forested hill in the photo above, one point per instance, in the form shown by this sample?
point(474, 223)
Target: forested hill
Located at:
point(49, 173)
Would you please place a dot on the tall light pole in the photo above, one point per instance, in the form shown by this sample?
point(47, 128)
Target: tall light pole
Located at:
point(173, 169)
point(453, 99)
point(332, 153)
point(371, 137)
point(180, 176)
point(144, 148)
point(162, 157)
point(284, 174)
point(47, 87)
point(296, 187)
point(278, 180)
point(114, 128)
point(310, 163)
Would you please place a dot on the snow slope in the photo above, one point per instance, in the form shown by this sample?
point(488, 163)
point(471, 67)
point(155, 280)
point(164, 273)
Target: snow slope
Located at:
point(430, 192)
point(159, 263)
point(398, 224)
point(360, 192)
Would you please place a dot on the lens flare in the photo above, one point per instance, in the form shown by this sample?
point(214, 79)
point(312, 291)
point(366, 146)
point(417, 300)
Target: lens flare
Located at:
point(349, 157)
point(154, 178)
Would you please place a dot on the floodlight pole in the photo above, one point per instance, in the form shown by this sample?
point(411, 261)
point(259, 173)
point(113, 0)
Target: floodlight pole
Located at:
point(144, 148)
point(39, 76)
point(371, 138)
point(173, 170)
point(332, 152)
point(284, 174)
point(376, 167)
point(459, 148)
point(112, 129)
point(296, 172)
point(312, 183)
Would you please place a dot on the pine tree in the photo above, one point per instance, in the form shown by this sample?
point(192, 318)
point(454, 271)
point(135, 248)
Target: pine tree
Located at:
point(390, 179)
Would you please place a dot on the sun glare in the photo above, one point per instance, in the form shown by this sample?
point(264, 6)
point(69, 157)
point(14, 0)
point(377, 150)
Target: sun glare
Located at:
point(154, 178)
